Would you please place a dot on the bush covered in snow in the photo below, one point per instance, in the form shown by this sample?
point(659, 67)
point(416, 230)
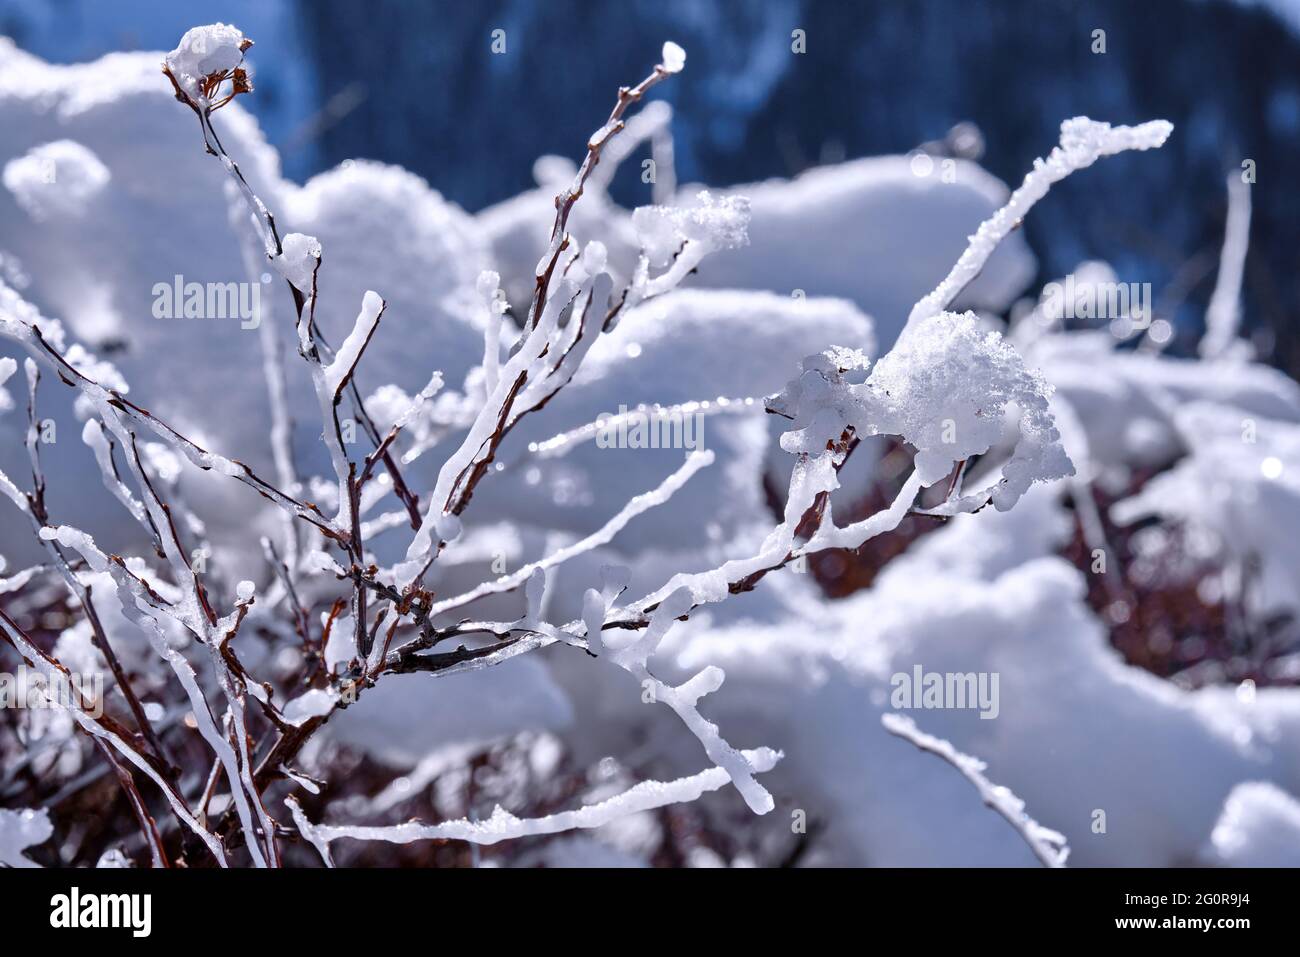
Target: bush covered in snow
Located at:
point(524, 522)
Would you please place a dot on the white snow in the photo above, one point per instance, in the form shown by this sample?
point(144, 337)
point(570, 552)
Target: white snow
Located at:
point(310, 704)
point(873, 232)
point(673, 57)
point(1083, 142)
point(8, 367)
point(299, 257)
point(1259, 827)
point(56, 179)
point(503, 825)
point(1242, 474)
point(727, 294)
point(203, 52)
point(20, 830)
point(349, 353)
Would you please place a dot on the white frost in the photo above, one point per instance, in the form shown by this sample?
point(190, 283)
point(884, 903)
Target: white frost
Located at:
point(1048, 845)
point(1083, 142)
point(503, 825)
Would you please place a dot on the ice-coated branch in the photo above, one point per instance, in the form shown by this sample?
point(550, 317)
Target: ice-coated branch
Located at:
point(206, 59)
point(504, 826)
point(193, 611)
point(22, 329)
point(533, 375)
point(680, 239)
point(101, 729)
point(1223, 313)
point(672, 60)
point(33, 506)
point(577, 340)
point(281, 434)
point(493, 314)
point(652, 122)
point(631, 651)
point(147, 610)
point(329, 381)
point(1083, 142)
point(1048, 846)
point(459, 474)
point(557, 446)
point(93, 435)
point(602, 536)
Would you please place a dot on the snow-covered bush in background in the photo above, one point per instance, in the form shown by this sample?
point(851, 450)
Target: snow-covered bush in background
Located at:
point(419, 414)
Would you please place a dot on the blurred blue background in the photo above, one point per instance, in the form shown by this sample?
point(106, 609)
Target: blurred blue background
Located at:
point(415, 82)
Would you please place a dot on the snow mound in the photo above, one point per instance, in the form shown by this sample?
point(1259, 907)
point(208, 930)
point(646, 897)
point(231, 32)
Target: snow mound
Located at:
point(1126, 401)
point(55, 179)
point(1140, 782)
point(1259, 827)
point(874, 232)
point(1234, 491)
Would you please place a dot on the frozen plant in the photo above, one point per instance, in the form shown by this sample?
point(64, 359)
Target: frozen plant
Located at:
point(950, 388)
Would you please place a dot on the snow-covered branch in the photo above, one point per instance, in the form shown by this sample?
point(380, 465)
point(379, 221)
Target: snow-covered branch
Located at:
point(1223, 313)
point(504, 826)
point(1048, 845)
point(1083, 142)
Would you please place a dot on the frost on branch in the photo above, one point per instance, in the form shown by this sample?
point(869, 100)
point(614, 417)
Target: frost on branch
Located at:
point(205, 58)
point(1083, 142)
point(632, 653)
point(947, 387)
point(333, 605)
point(503, 825)
point(951, 390)
point(679, 239)
point(298, 261)
point(1048, 846)
point(931, 404)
